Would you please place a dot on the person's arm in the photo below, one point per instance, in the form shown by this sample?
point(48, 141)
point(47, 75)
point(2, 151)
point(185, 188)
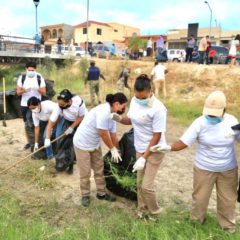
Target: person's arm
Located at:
point(126, 120)
point(42, 91)
point(104, 134)
point(155, 139)
point(178, 146)
point(36, 133)
point(101, 76)
point(77, 122)
point(114, 139)
point(20, 91)
point(49, 129)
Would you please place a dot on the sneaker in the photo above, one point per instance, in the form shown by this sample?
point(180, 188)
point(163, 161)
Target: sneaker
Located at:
point(106, 197)
point(27, 146)
point(86, 201)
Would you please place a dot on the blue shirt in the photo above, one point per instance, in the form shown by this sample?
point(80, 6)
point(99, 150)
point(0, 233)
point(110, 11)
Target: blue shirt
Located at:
point(93, 73)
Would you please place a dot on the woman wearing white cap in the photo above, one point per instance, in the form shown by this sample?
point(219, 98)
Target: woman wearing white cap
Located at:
point(215, 161)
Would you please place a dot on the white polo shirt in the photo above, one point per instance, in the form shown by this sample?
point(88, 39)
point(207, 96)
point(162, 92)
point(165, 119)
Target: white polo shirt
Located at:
point(87, 136)
point(147, 120)
point(33, 84)
point(47, 108)
point(77, 109)
point(158, 72)
point(215, 150)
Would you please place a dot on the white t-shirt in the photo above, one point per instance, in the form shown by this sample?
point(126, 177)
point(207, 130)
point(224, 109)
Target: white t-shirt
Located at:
point(149, 44)
point(233, 48)
point(87, 137)
point(47, 108)
point(33, 84)
point(77, 109)
point(147, 120)
point(215, 150)
point(158, 72)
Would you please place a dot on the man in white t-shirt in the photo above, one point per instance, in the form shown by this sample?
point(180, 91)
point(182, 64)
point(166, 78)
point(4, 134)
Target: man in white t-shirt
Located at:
point(215, 161)
point(31, 84)
point(158, 77)
point(41, 113)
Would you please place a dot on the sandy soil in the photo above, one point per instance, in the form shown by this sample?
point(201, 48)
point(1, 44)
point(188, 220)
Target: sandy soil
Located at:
point(174, 180)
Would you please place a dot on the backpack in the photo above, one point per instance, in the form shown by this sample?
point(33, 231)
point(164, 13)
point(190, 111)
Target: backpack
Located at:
point(50, 92)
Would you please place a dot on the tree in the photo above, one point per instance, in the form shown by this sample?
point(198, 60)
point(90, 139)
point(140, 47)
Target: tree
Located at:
point(135, 43)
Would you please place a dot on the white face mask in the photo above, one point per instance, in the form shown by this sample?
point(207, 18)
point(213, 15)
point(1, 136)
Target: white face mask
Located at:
point(36, 110)
point(31, 74)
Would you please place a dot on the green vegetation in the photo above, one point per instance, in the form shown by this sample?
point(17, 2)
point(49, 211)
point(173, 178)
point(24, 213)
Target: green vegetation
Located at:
point(184, 112)
point(101, 221)
point(135, 43)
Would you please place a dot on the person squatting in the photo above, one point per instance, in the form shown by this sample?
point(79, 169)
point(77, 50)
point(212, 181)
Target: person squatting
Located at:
point(84, 131)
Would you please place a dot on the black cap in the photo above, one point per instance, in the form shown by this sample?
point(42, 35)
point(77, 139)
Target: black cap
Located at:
point(65, 95)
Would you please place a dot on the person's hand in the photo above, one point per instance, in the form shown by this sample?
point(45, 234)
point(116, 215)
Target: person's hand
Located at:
point(139, 164)
point(35, 147)
point(161, 148)
point(69, 131)
point(47, 142)
point(115, 155)
point(116, 117)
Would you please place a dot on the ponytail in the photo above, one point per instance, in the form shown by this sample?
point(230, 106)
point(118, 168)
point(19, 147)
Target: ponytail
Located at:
point(117, 97)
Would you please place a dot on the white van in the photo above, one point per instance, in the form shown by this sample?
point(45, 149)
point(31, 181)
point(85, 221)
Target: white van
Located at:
point(176, 55)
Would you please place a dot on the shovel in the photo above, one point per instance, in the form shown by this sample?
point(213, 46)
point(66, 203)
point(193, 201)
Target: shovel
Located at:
point(4, 103)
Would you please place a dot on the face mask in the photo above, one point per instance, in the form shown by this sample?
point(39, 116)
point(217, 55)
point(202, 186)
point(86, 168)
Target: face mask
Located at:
point(213, 120)
point(65, 107)
point(36, 110)
point(121, 112)
point(143, 102)
point(31, 74)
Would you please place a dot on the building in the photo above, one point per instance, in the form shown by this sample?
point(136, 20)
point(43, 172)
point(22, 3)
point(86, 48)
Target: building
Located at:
point(102, 32)
point(176, 38)
point(52, 32)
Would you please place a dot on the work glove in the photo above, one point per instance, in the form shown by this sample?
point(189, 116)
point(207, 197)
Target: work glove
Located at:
point(47, 142)
point(161, 148)
point(115, 155)
point(116, 117)
point(139, 164)
point(35, 147)
point(69, 131)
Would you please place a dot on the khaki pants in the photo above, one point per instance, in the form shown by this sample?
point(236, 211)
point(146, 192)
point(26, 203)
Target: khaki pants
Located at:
point(94, 90)
point(226, 186)
point(145, 183)
point(157, 85)
point(87, 161)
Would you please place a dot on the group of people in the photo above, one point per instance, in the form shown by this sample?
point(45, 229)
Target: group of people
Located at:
point(215, 161)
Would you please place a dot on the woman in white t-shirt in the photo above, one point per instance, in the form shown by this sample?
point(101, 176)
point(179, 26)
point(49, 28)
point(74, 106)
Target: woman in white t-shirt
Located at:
point(233, 49)
point(215, 161)
point(148, 116)
point(68, 115)
point(96, 127)
point(41, 112)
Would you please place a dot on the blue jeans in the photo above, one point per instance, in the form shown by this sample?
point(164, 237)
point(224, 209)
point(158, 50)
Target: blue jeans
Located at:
point(59, 130)
point(49, 150)
point(159, 53)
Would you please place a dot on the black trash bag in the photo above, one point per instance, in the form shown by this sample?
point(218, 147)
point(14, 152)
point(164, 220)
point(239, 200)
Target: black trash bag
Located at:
point(65, 155)
point(50, 92)
point(123, 168)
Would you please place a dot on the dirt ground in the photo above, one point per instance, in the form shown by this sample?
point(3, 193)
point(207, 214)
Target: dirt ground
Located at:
point(174, 180)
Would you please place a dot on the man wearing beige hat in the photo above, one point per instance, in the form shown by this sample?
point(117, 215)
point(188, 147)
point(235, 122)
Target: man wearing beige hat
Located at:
point(215, 161)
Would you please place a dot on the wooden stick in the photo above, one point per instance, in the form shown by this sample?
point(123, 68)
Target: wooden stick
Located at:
point(29, 155)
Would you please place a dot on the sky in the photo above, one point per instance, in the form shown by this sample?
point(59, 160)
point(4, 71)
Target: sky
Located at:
point(17, 17)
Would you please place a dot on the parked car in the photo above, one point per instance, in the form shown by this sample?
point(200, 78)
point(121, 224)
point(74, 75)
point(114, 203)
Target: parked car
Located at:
point(220, 56)
point(73, 51)
point(176, 55)
point(101, 50)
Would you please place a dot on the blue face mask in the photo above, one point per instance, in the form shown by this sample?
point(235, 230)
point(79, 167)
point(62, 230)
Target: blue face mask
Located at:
point(143, 102)
point(213, 120)
point(31, 74)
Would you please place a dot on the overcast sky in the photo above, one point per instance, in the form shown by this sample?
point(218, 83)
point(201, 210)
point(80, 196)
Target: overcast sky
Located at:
point(151, 16)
